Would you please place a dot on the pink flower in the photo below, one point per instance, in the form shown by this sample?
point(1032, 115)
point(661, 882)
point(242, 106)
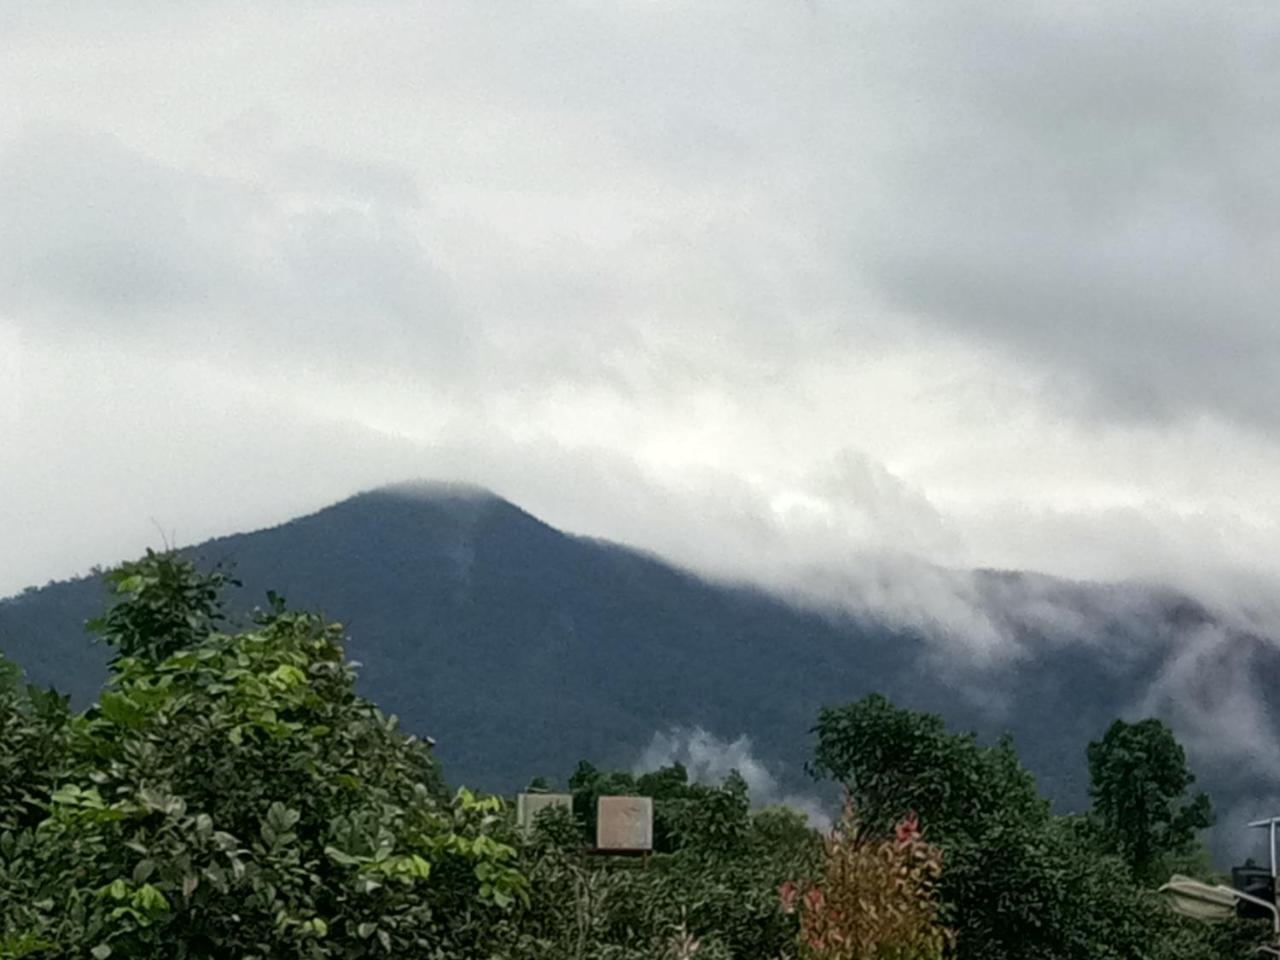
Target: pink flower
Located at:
point(787, 895)
point(909, 828)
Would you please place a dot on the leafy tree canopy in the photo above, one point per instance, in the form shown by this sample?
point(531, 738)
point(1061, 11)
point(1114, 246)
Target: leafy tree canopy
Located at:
point(1017, 881)
point(1139, 780)
point(163, 604)
point(895, 760)
point(231, 796)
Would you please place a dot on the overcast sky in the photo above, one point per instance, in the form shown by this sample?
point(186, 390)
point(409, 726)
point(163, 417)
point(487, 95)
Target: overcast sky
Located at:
point(763, 286)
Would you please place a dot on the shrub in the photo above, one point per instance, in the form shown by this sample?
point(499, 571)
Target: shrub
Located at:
point(875, 899)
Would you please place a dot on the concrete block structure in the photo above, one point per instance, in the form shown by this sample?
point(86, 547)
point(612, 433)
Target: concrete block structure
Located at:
point(529, 805)
point(624, 824)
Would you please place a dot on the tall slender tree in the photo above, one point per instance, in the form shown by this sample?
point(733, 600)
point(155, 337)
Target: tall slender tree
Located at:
point(1139, 781)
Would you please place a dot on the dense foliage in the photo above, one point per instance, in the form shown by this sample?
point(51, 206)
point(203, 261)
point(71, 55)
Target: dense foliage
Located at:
point(699, 900)
point(1017, 881)
point(234, 798)
point(230, 796)
point(1139, 775)
point(170, 606)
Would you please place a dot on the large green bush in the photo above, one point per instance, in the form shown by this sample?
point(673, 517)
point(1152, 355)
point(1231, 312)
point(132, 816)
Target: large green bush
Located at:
point(235, 798)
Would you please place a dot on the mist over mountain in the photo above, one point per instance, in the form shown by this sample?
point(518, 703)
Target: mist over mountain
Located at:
point(522, 649)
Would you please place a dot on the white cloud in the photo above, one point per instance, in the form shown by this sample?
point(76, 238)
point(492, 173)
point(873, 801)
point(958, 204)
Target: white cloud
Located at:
point(802, 293)
point(709, 760)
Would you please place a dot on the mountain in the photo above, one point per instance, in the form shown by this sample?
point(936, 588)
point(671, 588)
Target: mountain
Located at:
point(522, 649)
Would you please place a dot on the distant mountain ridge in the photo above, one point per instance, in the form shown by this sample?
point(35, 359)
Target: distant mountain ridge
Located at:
point(522, 649)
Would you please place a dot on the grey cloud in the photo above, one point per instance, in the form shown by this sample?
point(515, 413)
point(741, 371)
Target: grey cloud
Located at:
point(1089, 191)
point(1214, 691)
point(1093, 191)
point(104, 455)
point(88, 223)
point(327, 269)
point(812, 295)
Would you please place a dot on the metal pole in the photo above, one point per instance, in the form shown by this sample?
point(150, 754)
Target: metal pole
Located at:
point(1275, 912)
point(1270, 824)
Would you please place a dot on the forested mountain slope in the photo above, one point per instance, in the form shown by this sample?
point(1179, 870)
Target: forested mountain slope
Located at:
point(521, 649)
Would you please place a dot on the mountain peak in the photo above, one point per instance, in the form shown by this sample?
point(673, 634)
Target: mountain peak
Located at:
point(435, 490)
point(432, 507)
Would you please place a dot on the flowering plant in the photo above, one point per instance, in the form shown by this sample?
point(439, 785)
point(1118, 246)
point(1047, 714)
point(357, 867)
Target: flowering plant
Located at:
point(876, 898)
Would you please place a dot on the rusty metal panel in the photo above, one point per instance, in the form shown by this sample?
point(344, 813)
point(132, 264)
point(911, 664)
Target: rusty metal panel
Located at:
point(624, 823)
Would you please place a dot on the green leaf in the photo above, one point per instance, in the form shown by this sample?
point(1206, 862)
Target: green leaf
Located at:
point(338, 856)
point(150, 899)
point(67, 795)
point(286, 676)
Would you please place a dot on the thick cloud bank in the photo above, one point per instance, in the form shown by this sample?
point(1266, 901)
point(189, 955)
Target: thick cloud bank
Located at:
point(801, 293)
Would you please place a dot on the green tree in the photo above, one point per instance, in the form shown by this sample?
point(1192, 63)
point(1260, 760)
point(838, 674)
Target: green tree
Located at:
point(164, 604)
point(235, 798)
point(1016, 881)
point(33, 743)
point(1139, 781)
point(895, 760)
